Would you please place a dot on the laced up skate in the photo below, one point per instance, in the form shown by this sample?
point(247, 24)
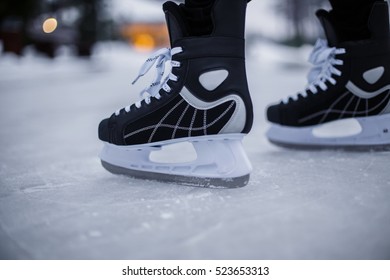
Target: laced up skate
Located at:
point(347, 101)
point(203, 101)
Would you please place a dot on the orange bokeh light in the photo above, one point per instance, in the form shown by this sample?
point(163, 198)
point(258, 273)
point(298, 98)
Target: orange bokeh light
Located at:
point(146, 37)
point(144, 42)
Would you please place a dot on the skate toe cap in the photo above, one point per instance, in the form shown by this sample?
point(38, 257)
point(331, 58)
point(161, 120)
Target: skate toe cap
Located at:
point(273, 114)
point(103, 130)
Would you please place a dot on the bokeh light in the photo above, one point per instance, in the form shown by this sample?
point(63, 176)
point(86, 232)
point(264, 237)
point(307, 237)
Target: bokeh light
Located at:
point(144, 42)
point(49, 25)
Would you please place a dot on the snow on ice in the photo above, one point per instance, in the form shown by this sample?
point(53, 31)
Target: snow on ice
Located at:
point(57, 202)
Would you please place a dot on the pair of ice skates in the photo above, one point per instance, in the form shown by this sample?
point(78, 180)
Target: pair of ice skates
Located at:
point(205, 101)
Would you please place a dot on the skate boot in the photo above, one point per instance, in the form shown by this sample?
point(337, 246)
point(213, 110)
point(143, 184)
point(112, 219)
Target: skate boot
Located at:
point(204, 101)
point(347, 101)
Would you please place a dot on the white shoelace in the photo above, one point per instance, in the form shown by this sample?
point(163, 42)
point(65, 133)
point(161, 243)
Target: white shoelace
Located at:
point(159, 58)
point(324, 61)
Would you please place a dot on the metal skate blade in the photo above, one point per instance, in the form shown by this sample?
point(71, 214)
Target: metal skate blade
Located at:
point(347, 148)
point(237, 182)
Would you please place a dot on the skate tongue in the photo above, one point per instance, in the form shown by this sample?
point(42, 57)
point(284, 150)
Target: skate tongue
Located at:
point(378, 22)
point(329, 28)
point(177, 26)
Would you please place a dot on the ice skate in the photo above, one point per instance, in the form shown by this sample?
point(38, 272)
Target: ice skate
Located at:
point(203, 101)
point(347, 101)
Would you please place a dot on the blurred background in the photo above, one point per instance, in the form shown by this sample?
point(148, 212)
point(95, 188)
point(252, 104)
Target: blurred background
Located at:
point(46, 25)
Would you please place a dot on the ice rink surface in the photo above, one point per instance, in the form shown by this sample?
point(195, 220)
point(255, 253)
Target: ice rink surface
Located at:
point(57, 202)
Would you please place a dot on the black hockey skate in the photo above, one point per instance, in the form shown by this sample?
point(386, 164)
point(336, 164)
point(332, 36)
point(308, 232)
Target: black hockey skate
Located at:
point(204, 100)
point(347, 102)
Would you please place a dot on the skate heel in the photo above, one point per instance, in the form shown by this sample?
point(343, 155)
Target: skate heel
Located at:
point(221, 162)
